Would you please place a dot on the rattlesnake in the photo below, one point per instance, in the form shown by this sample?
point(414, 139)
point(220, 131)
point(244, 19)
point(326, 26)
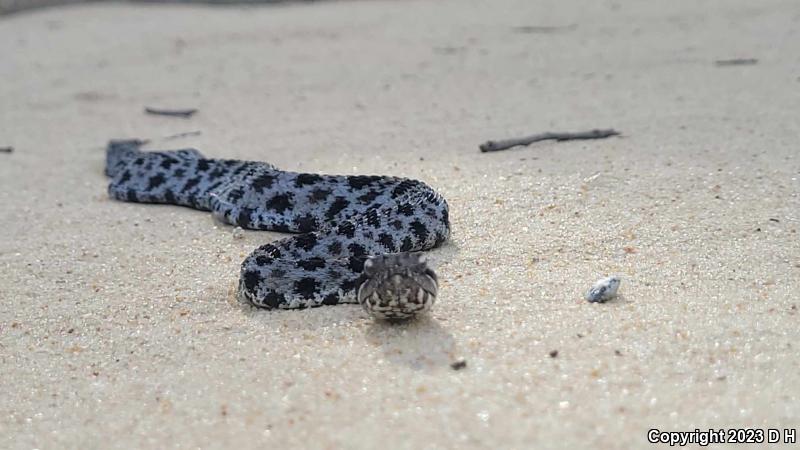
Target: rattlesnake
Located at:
point(359, 235)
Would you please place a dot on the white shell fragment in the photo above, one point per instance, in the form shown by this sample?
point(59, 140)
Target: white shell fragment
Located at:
point(603, 290)
point(238, 233)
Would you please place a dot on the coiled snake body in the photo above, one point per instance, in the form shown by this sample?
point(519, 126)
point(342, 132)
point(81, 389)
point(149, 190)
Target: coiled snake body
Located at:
point(358, 234)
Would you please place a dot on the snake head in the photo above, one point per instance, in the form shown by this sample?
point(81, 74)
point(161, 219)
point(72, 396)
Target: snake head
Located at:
point(397, 286)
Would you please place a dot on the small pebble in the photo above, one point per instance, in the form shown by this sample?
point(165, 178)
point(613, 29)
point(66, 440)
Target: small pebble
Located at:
point(458, 365)
point(554, 353)
point(238, 233)
point(603, 290)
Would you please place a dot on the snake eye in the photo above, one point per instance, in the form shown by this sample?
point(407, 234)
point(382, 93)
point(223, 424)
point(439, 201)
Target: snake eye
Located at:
point(429, 272)
point(369, 266)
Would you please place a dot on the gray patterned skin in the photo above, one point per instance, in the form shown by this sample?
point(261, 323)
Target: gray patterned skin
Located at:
point(342, 220)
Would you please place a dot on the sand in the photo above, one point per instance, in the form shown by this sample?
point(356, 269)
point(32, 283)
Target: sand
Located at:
point(119, 327)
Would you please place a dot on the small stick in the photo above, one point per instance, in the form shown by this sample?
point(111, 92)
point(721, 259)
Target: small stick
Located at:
point(736, 62)
point(6, 149)
point(181, 135)
point(185, 113)
point(528, 29)
point(132, 142)
point(495, 146)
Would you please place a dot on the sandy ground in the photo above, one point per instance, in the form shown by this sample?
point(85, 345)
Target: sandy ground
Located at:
point(118, 327)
